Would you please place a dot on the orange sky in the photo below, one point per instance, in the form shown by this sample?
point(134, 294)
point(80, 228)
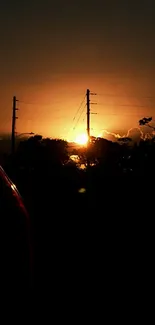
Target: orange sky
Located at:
point(49, 108)
point(56, 55)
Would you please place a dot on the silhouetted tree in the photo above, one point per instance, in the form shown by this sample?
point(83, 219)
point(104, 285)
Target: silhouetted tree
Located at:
point(36, 152)
point(124, 140)
point(55, 150)
point(145, 121)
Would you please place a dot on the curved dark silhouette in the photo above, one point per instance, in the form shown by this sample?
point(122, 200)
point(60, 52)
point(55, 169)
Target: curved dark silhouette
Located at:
point(16, 244)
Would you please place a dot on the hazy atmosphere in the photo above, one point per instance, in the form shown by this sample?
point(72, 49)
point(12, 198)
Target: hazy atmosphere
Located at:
point(77, 160)
point(52, 51)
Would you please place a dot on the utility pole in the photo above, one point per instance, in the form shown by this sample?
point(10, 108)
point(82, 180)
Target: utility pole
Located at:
point(88, 114)
point(13, 125)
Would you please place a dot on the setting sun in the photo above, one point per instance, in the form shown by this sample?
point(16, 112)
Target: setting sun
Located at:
point(81, 139)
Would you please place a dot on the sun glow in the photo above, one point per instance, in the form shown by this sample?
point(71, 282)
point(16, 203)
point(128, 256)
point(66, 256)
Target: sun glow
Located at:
point(81, 139)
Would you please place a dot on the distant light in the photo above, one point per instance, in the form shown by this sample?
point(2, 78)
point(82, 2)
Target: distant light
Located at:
point(82, 190)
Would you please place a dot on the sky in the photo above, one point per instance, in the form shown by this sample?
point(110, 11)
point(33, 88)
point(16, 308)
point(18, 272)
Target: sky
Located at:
point(52, 51)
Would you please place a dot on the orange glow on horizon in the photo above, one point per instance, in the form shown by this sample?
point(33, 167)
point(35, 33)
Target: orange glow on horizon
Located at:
point(81, 139)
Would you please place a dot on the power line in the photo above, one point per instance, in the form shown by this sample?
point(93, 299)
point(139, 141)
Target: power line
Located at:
point(125, 105)
point(79, 108)
point(55, 100)
point(79, 118)
point(77, 112)
point(116, 114)
point(84, 118)
point(127, 96)
point(33, 104)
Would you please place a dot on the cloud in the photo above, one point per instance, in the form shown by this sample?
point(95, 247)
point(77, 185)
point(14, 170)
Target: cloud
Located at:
point(136, 134)
point(111, 136)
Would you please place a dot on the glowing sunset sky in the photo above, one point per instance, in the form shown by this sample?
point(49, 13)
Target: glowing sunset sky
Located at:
point(52, 51)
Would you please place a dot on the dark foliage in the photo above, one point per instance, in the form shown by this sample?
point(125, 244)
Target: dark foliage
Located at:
point(87, 224)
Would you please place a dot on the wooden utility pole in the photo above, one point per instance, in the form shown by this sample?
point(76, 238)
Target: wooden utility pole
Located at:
point(13, 126)
point(88, 114)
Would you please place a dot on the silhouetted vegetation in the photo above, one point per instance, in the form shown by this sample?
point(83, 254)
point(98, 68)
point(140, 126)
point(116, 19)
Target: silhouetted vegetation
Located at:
point(44, 165)
point(71, 207)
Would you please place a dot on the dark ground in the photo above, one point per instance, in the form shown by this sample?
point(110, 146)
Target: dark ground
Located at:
point(92, 250)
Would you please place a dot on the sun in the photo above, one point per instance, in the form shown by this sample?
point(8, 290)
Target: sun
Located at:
point(81, 139)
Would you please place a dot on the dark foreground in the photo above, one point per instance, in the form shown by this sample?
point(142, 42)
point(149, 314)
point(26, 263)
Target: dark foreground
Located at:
point(90, 248)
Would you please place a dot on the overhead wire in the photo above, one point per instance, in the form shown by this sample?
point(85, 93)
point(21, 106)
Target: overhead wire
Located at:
point(125, 96)
point(79, 118)
point(84, 118)
point(117, 114)
point(132, 105)
point(73, 126)
point(75, 115)
point(78, 110)
point(34, 104)
point(127, 105)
